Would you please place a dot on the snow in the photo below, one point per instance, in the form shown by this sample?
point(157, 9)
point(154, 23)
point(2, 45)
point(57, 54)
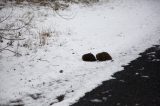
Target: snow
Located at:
point(122, 28)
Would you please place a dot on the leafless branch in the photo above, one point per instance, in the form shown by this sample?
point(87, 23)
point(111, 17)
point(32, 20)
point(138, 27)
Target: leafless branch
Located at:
point(16, 53)
point(59, 6)
point(1, 36)
point(5, 33)
point(12, 38)
point(14, 29)
point(7, 16)
point(3, 48)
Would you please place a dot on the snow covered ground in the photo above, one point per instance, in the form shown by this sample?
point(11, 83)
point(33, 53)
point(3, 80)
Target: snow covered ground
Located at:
point(123, 28)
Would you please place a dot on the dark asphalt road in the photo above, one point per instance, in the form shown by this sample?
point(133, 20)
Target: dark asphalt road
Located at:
point(137, 85)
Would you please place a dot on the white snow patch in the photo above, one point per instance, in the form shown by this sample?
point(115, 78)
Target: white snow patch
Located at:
point(122, 28)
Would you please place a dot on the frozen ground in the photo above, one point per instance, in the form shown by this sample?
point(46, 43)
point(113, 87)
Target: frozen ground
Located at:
point(123, 28)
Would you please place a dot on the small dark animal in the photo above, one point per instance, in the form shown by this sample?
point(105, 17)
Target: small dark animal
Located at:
point(88, 57)
point(103, 56)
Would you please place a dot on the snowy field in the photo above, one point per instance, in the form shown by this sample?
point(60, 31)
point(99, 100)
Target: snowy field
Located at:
point(45, 74)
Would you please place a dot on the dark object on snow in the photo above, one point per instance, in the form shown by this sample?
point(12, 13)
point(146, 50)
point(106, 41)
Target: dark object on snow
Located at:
point(61, 71)
point(103, 56)
point(17, 102)
point(60, 98)
point(88, 57)
point(35, 96)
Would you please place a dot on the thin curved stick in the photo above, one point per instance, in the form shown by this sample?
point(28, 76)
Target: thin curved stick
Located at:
point(1, 36)
point(66, 18)
point(12, 52)
point(3, 48)
point(14, 29)
point(7, 16)
point(12, 38)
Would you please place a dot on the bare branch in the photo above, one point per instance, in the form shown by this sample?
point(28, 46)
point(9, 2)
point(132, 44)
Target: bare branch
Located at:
point(14, 29)
point(7, 16)
point(67, 18)
point(57, 6)
point(10, 38)
point(3, 48)
point(18, 54)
